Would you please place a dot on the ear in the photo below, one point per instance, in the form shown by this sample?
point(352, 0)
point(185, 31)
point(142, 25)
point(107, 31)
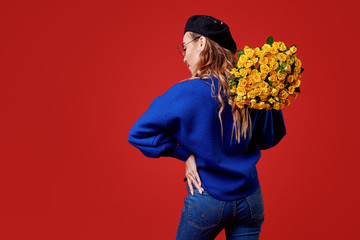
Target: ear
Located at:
point(202, 41)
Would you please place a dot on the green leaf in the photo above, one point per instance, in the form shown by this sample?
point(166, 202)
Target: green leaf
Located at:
point(240, 52)
point(297, 90)
point(283, 65)
point(270, 40)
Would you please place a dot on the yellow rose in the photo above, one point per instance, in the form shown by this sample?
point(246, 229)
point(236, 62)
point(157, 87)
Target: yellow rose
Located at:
point(254, 60)
point(297, 70)
point(274, 65)
point(275, 83)
point(271, 100)
point(297, 83)
point(240, 91)
point(273, 50)
point(297, 63)
point(264, 68)
point(281, 85)
point(261, 53)
point(263, 75)
point(233, 71)
point(248, 63)
point(243, 72)
point(257, 78)
point(281, 57)
point(273, 73)
point(251, 94)
point(233, 89)
point(267, 106)
point(294, 95)
point(239, 105)
point(252, 101)
point(270, 60)
point(246, 47)
point(249, 52)
point(248, 70)
point(264, 97)
point(257, 91)
point(281, 76)
point(254, 72)
point(263, 60)
point(261, 105)
point(275, 45)
point(290, 78)
point(283, 94)
point(287, 102)
point(289, 60)
point(288, 52)
point(242, 82)
point(291, 89)
point(256, 51)
point(287, 68)
point(263, 85)
point(257, 65)
point(266, 47)
point(237, 74)
point(240, 64)
point(272, 78)
point(277, 106)
point(282, 47)
point(275, 92)
point(293, 49)
point(243, 58)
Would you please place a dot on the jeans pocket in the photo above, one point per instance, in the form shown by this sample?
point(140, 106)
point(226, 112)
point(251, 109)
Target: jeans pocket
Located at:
point(204, 211)
point(256, 205)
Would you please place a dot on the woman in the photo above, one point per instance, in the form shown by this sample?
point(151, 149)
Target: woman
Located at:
point(197, 122)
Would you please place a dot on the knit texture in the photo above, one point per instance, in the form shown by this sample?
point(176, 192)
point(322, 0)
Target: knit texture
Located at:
point(185, 120)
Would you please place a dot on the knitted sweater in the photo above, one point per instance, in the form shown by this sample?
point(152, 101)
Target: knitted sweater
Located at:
point(185, 120)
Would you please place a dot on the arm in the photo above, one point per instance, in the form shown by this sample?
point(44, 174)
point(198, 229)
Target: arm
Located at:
point(151, 133)
point(269, 128)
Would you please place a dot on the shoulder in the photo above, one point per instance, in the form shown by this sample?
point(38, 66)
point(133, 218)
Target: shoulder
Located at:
point(192, 88)
point(192, 84)
point(190, 94)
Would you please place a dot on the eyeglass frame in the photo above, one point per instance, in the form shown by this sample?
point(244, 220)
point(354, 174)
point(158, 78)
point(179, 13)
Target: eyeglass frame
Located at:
point(181, 47)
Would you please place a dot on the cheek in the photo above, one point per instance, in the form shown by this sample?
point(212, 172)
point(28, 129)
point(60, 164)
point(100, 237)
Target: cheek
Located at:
point(195, 56)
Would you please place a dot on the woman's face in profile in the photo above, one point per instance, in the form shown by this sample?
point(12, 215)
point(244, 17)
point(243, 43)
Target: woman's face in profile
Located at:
point(192, 51)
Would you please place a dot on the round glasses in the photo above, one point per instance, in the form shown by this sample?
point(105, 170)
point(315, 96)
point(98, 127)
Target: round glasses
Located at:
point(181, 48)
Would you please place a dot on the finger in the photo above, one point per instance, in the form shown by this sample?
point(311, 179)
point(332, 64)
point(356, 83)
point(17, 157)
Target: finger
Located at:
point(191, 187)
point(197, 177)
point(197, 186)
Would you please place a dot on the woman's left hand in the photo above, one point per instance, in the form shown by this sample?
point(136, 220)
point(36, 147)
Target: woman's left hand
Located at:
point(192, 175)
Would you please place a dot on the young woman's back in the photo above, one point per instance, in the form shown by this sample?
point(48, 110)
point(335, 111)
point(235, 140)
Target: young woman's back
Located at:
point(197, 122)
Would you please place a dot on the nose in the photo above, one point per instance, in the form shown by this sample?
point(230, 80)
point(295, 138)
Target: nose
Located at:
point(184, 58)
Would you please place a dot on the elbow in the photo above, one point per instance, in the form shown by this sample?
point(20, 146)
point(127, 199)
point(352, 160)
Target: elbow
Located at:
point(269, 144)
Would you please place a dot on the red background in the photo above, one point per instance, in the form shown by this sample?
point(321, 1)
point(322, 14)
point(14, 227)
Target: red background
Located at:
point(75, 76)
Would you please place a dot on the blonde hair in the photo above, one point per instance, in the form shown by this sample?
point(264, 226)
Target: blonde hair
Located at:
point(218, 61)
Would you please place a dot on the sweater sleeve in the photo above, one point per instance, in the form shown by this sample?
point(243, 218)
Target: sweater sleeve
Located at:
point(151, 133)
point(269, 128)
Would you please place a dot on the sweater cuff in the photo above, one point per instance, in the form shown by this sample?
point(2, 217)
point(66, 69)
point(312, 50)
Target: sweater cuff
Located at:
point(180, 152)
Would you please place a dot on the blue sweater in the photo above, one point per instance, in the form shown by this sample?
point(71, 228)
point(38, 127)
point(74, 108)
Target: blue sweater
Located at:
point(185, 120)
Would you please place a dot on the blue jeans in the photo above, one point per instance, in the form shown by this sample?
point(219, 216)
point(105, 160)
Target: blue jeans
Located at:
point(204, 217)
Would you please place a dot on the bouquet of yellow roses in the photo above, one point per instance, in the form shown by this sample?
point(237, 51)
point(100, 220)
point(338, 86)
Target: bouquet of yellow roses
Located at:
point(265, 77)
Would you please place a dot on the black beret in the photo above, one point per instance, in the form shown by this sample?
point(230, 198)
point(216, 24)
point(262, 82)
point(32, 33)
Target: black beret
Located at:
point(212, 28)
